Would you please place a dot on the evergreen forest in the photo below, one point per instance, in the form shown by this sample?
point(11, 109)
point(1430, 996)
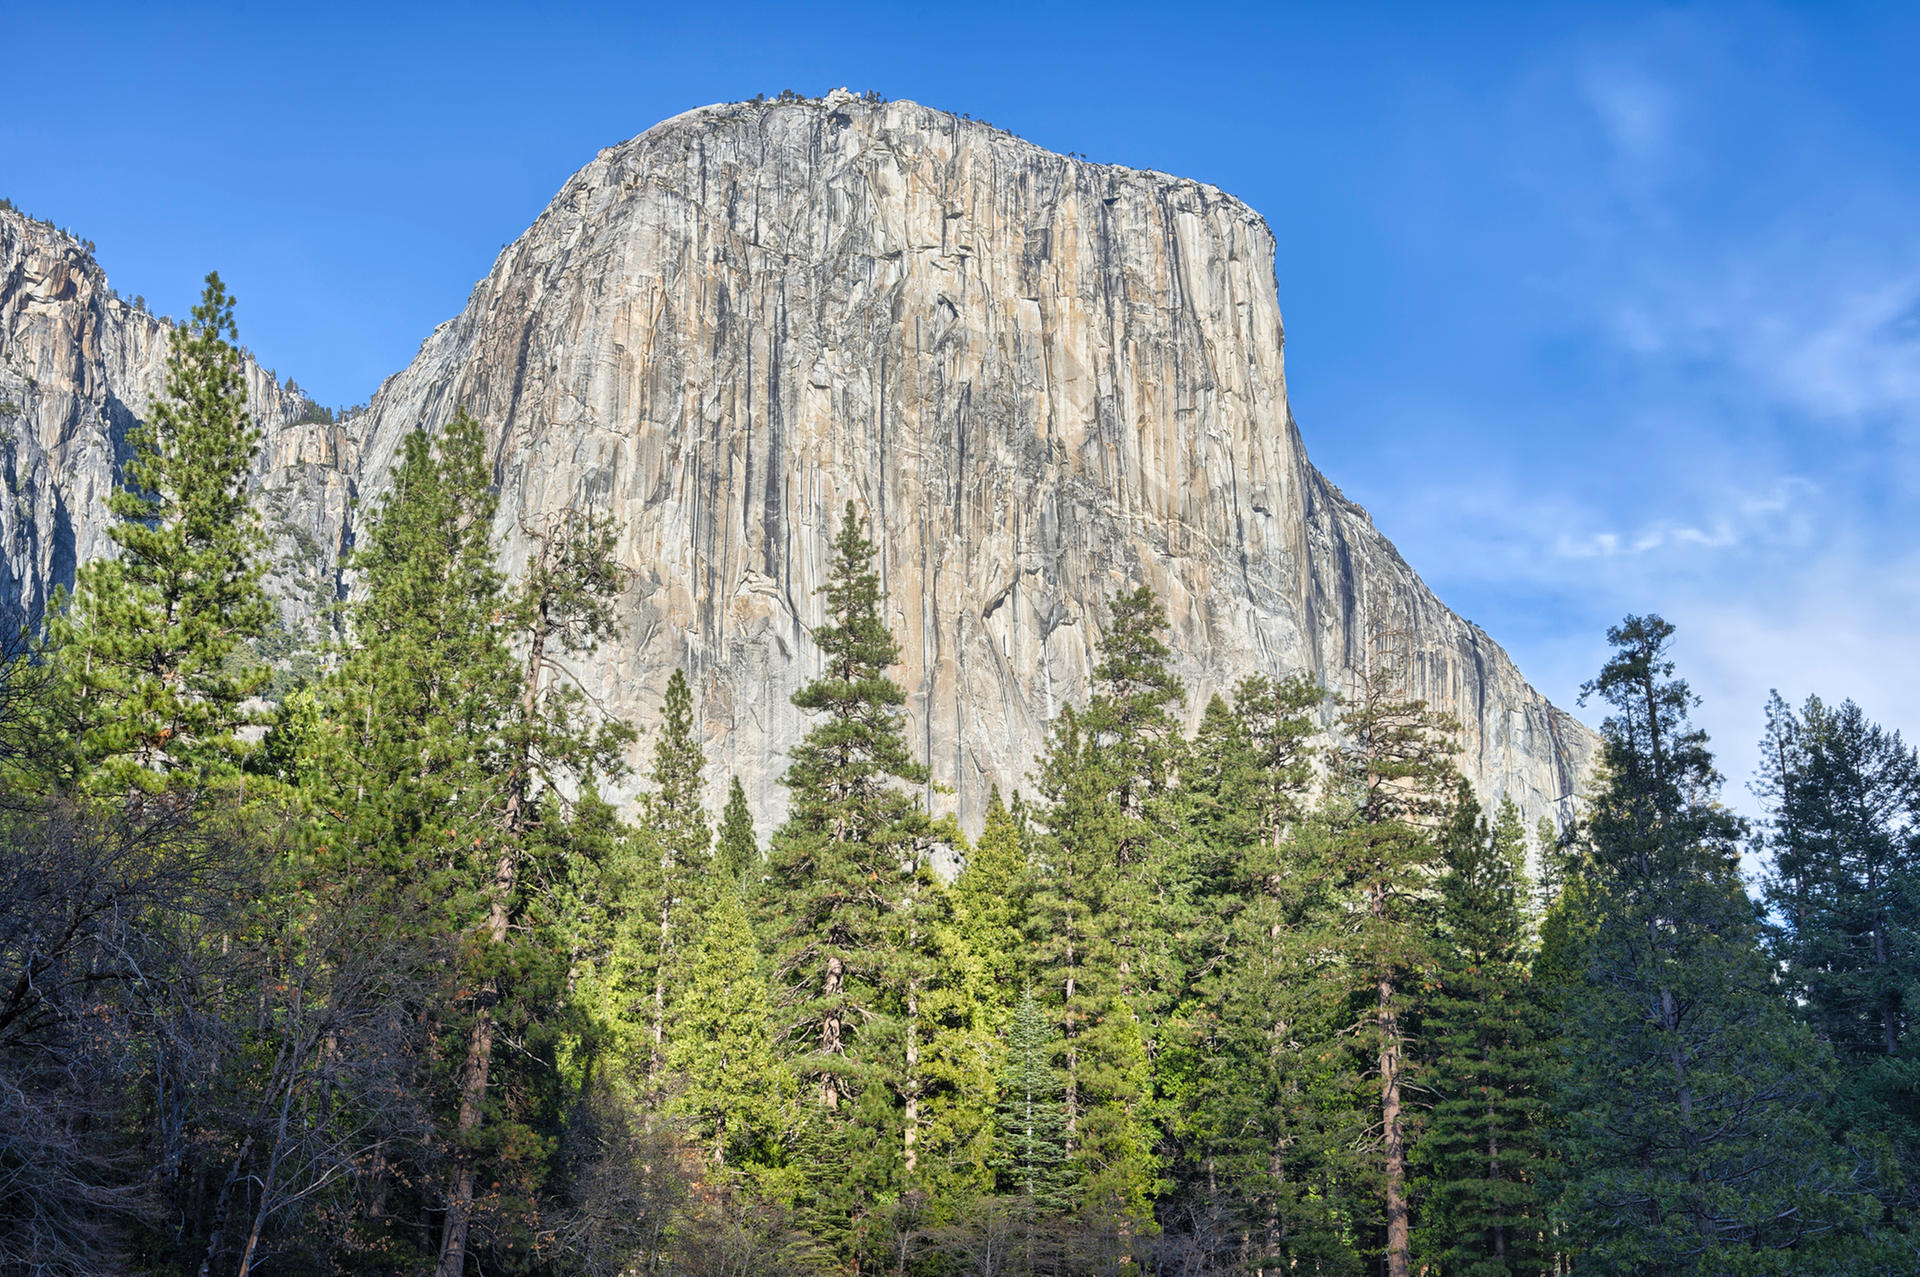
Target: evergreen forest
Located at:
point(367, 972)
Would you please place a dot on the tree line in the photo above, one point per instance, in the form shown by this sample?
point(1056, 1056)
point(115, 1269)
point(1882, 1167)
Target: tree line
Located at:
point(373, 979)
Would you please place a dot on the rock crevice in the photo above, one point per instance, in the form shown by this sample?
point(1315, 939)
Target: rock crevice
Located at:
point(1043, 379)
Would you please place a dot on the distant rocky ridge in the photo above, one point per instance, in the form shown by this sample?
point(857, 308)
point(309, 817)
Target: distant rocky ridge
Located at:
point(1043, 378)
point(78, 368)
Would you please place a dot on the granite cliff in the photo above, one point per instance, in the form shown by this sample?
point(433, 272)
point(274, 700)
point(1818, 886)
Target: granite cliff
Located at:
point(79, 366)
point(1043, 379)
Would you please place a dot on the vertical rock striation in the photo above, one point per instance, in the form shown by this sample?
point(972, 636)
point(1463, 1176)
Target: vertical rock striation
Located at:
point(1042, 378)
point(79, 367)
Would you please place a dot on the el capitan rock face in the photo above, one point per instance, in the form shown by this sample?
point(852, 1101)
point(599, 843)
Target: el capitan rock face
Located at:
point(1042, 378)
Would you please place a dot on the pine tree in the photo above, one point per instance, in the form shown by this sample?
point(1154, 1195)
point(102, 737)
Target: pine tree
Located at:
point(409, 732)
point(439, 758)
point(1485, 1048)
point(854, 848)
point(991, 896)
point(1393, 784)
point(551, 746)
point(837, 863)
point(149, 645)
point(738, 850)
point(1687, 1091)
point(1067, 918)
point(732, 1085)
point(405, 756)
point(1279, 719)
point(1132, 710)
point(598, 898)
point(1844, 837)
point(1032, 1116)
point(1111, 854)
point(1265, 1113)
point(940, 1004)
point(1217, 788)
point(672, 812)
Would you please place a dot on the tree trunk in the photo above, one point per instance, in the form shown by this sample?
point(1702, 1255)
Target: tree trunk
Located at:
point(1399, 1247)
point(473, 1097)
point(656, 1053)
point(220, 1208)
point(912, 1135)
point(1072, 1059)
point(1393, 1136)
point(830, 1032)
point(266, 1187)
point(479, 1061)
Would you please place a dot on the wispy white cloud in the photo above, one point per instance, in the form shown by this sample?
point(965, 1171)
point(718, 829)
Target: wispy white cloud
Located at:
point(1635, 114)
point(1839, 627)
point(1833, 333)
point(1704, 394)
point(1776, 515)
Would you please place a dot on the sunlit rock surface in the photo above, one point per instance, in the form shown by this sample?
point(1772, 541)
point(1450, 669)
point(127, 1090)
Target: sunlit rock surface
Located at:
point(1043, 379)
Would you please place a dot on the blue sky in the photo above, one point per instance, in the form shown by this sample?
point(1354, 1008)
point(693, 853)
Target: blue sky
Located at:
point(1597, 309)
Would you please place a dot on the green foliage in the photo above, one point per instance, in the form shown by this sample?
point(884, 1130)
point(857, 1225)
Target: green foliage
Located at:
point(1486, 1037)
point(836, 866)
point(151, 689)
point(1110, 855)
point(675, 821)
point(673, 808)
point(408, 756)
point(1688, 1094)
point(1844, 838)
point(990, 896)
point(1264, 999)
point(939, 1008)
point(1032, 1113)
point(854, 916)
point(737, 849)
point(732, 1085)
point(1391, 790)
point(1267, 1113)
point(440, 756)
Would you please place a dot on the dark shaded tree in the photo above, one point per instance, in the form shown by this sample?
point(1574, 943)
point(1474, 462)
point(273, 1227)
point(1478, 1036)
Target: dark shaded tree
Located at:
point(1486, 1041)
point(1688, 1093)
point(1843, 834)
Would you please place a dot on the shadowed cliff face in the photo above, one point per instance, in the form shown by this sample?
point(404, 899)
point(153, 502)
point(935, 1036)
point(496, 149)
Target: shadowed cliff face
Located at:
point(1042, 380)
point(79, 368)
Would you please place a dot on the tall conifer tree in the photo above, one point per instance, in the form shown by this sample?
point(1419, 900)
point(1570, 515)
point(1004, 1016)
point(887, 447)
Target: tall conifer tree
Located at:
point(738, 849)
point(676, 819)
point(147, 646)
point(551, 746)
point(732, 1085)
point(1485, 1048)
point(853, 851)
point(991, 894)
point(1687, 1090)
point(1111, 892)
point(442, 752)
point(1265, 1111)
point(1844, 837)
point(1393, 783)
point(1032, 1116)
point(837, 862)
